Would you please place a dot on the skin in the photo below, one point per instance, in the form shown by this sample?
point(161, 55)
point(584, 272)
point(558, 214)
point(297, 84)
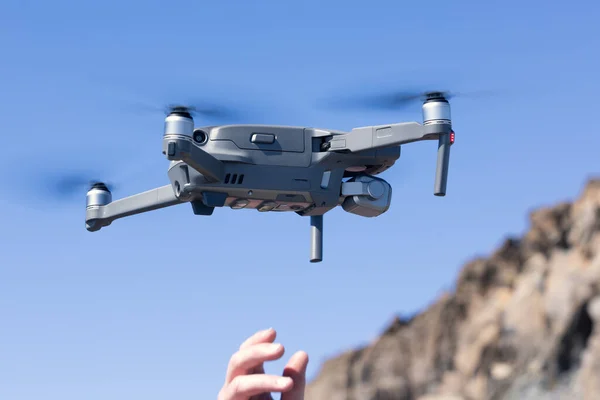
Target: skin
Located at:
point(246, 378)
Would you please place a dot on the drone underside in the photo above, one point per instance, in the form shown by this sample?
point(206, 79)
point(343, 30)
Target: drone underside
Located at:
point(308, 171)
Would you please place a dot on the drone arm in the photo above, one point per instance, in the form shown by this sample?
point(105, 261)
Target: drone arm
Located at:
point(178, 149)
point(375, 137)
point(98, 216)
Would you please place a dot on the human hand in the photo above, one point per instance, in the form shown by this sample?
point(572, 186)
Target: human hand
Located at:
point(246, 378)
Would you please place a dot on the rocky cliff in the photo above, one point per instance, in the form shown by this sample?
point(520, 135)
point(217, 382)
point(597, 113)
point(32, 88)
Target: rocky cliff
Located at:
point(523, 323)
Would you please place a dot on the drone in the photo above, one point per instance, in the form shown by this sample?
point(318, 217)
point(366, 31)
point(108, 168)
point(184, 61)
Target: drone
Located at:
point(272, 168)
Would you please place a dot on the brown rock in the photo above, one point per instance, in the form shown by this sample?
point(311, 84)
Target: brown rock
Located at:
point(523, 323)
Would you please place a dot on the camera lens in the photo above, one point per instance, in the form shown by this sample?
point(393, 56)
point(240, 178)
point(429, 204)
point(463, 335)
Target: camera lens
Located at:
point(200, 136)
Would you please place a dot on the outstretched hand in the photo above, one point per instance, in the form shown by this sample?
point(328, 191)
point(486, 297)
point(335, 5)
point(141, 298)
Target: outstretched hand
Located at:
point(246, 378)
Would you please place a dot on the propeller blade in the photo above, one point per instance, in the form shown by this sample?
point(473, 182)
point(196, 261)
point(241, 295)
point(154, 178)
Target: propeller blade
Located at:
point(203, 110)
point(66, 186)
point(391, 99)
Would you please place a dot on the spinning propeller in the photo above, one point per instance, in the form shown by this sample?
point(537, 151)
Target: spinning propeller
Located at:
point(66, 184)
point(210, 111)
point(394, 99)
point(205, 110)
point(72, 185)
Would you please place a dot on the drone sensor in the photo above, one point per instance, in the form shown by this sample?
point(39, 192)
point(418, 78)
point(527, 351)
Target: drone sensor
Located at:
point(199, 136)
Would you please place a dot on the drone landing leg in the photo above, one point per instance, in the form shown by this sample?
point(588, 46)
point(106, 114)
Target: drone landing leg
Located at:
point(316, 238)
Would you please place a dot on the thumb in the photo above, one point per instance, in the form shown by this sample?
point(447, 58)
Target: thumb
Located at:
point(296, 369)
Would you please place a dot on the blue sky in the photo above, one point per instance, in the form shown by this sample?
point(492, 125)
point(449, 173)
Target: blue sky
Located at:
point(153, 306)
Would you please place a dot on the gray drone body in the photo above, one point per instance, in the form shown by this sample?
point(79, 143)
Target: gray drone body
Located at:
point(267, 168)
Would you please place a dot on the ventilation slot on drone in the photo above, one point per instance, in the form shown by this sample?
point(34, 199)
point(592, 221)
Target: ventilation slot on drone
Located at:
point(234, 179)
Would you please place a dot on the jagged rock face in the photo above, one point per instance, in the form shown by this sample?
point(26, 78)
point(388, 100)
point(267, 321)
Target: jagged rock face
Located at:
point(522, 324)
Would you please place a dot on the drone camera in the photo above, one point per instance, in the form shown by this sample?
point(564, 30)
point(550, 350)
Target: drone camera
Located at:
point(199, 136)
point(366, 196)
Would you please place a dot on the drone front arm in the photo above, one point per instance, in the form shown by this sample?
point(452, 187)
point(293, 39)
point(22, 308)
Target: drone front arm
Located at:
point(376, 137)
point(100, 215)
point(179, 149)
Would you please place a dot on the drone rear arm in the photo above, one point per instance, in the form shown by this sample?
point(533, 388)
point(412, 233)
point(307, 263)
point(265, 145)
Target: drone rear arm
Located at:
point(100, 215)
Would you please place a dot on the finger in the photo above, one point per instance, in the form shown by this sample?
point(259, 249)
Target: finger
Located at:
point(245, 360)
point(246, 386)
point(296, 369)
point(266, 336)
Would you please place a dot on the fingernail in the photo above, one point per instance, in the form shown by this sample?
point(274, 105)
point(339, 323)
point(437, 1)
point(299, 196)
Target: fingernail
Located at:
point(282, 382)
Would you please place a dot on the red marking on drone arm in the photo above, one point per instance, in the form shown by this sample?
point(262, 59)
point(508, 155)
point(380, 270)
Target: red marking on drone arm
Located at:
point(452, 137)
